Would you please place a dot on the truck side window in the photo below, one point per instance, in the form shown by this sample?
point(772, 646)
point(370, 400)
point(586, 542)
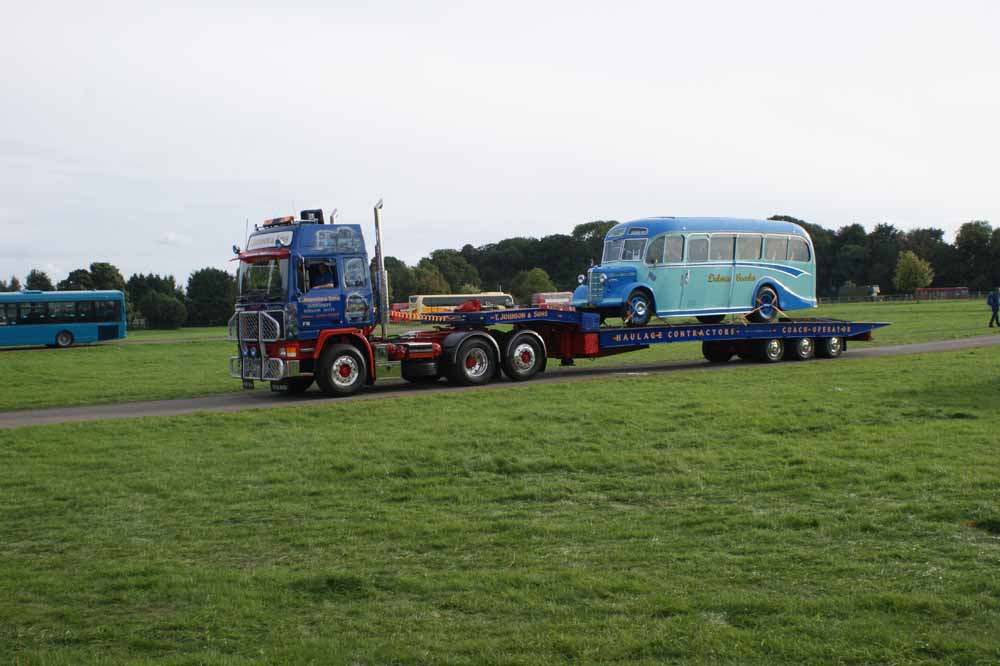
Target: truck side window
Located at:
point(321, 273)
point(354, 272)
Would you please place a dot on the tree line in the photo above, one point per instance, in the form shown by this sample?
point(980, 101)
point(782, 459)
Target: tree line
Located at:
point(208, 299)
point(845, 257)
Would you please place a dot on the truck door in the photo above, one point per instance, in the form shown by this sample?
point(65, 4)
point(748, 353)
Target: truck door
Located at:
point(358, 302)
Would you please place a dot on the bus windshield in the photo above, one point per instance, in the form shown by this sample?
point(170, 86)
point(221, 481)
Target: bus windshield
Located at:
point(264, 279)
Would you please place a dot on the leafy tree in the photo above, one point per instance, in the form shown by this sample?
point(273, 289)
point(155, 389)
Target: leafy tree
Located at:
point(455, 268)
point(468, 288)
point(427, 279)
point(39, 280)
point(912, 272)
point(881, 255)
point(14, 284)
point(973, 245)
point(77, 280)
point(849, 265)
point(211, 294)
point(139, 285)
point(591, 235)
point(526, 283)
point(3, 285)
point(401, 280)
point(162, 310)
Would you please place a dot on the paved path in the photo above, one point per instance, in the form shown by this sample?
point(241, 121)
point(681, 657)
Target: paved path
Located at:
point(234, 402)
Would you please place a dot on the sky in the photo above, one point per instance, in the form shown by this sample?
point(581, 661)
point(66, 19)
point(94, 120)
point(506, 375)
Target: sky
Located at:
point(146, 134)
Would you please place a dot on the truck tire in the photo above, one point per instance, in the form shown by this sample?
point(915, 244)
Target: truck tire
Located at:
point(830, 347)
point(474, 364)
point(769, 351)
point(342, 370)
point(800, 349)
point(716, 352)
point(420, 372)
point(524, 357)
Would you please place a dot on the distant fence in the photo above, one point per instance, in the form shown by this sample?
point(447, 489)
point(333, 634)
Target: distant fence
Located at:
point(901, 298)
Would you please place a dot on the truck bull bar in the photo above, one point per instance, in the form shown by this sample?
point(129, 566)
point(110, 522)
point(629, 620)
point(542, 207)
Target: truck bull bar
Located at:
point(253, 363)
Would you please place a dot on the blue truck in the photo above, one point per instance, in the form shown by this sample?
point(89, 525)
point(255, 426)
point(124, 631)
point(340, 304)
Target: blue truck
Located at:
point(313, 308)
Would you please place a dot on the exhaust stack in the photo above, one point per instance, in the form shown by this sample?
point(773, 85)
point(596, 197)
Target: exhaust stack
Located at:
point(380, 275)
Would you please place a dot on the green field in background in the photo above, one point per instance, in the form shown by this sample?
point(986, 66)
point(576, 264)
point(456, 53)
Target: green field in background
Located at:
point(827, 513)
point(116, 372)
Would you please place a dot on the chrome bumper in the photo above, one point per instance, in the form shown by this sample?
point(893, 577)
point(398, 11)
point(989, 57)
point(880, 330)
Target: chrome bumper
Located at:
point(271, 370)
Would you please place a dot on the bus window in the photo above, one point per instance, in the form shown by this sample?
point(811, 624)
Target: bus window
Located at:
point(85, 311)
point(798, 249)
point(106, 311)
point(8, 314)
point(654, 255)
point(62, 312)
point(748, 248)
point(675, 249)
point(632, 251)
point(721, 248)
point(697, 249)
point(33, 313)
point(775, 248)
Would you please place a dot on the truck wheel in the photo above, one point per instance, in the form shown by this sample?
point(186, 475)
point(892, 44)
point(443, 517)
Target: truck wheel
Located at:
point(64, 339)
point(716, 352)
point(523, 358)
point(800, 349)
point(474, 364)
point(420, 372)
point(829, 347)
point(638, 309)
point(342, 370)
point(765, 306)
point(769, 351)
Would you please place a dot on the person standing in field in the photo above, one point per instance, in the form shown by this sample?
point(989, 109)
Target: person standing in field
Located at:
point(993, 300)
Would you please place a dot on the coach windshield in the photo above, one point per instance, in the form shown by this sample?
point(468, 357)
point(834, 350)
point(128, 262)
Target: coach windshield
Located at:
point(623, 249)
point(263, 279)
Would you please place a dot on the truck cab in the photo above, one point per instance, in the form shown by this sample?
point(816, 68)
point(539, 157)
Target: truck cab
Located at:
point(297, 279)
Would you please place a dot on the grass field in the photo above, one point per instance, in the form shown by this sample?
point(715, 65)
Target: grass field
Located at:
point(826, 513)
point(129, 372)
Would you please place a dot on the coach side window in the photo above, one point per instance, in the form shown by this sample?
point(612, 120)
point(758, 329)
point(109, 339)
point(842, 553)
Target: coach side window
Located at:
point(697, 249)
point(675, 249)
point(798, 249)
point(775, 248)
point(722, 247)
point(748, 248)
point(654, 255)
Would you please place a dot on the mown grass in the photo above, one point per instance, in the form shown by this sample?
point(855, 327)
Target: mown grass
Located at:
point(843, 512)
point(130, 372)
point(188, 333)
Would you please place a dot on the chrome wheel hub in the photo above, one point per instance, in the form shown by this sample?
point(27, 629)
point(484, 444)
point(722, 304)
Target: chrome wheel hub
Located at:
point(524, 357)
point(345, 370)
point(477, 363)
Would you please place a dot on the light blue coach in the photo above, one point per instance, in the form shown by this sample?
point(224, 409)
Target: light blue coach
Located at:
point(705, 267)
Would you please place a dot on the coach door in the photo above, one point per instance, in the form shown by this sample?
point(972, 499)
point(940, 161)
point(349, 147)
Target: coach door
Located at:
point(665, 271)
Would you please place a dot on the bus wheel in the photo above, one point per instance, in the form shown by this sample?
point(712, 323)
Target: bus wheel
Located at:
point(765, 306)
point(716, 352)
point(523, 358)
point(829, 347)
point(769, 351)
point(711, 319)
point(474, 364)
point(64, 339)
point(800, 349)
point(342, 370)
point(638, 309)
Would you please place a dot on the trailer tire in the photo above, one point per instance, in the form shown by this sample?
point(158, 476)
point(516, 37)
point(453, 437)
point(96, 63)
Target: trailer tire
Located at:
point(524, 357)
point(830, 347)
point(800, 349)
point(765, 305)
point(342, 370)
point(475, 363)
point(769, 351)
point(716, 352)
point(638, 308)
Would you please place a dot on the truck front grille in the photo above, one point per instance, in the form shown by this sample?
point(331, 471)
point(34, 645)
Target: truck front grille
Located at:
point(248, 325)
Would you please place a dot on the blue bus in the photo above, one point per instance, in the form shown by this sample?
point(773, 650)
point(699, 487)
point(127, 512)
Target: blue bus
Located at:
point(702, 267)
point(60, 318)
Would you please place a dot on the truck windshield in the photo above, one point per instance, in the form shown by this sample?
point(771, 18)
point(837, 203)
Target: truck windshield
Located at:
point(263, 279)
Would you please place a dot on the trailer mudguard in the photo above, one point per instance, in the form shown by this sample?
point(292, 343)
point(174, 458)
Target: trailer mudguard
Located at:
point(453, 341)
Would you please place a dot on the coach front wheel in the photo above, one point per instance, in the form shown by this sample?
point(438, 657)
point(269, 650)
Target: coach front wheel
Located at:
point(638, 309)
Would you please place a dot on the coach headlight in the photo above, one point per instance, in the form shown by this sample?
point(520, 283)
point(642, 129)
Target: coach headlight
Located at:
point(603, 278)
point(581, 278)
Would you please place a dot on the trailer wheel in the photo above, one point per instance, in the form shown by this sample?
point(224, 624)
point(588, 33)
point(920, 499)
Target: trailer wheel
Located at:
point(638, 309)
point(765, 305)
point(800, 349)
point(769, 351)
point(830, 347)
point(523, 358)
point(342, 370)
point(716, 352)
point(474, 364)
point(64, 339)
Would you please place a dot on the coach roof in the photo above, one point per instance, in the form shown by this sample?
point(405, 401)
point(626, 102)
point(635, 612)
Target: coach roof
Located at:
point(659, 225)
